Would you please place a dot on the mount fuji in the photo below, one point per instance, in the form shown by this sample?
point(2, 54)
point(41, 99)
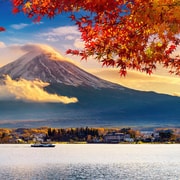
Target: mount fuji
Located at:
point(100, 103)
point(51, 67)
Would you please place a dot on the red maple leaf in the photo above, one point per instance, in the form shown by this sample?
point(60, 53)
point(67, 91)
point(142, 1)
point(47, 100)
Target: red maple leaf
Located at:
point(2, 29)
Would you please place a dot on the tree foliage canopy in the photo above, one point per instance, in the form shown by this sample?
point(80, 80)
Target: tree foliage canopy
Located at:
point(128, 34)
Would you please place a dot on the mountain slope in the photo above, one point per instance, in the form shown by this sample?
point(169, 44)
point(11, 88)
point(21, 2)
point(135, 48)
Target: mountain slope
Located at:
point(101, 103)
point(104, 107)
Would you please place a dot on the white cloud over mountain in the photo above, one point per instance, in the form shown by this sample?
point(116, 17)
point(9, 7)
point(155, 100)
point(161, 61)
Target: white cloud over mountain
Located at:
point(30, 91)
point(13, 52)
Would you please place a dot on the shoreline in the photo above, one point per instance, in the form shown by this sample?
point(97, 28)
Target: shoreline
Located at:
point(88, 135)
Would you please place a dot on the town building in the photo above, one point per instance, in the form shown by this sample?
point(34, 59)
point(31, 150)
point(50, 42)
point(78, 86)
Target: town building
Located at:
point(114, 137)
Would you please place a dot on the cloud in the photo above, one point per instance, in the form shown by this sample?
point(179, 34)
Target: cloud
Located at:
point(23, 25)
point(63, 38)
point(13, 52)
point(30, 91)
point(36, 47)
point(51, 39)
point(67, 33)
point(65, 30)
point(78, 43)
point(69, 37)
point(2, 44)
point(135, 80)
point(10, 53)
point(20, 26)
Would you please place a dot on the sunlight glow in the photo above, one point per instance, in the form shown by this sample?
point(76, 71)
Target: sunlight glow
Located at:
point(30, 91)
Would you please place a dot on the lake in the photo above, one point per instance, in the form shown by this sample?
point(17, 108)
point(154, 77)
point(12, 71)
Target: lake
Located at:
point(91, 162)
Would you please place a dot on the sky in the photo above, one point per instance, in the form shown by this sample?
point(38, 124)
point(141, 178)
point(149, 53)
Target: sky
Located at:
point(61, 34)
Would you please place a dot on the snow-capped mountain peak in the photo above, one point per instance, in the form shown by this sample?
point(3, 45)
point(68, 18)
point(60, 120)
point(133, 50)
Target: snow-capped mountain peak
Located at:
point(49, 66)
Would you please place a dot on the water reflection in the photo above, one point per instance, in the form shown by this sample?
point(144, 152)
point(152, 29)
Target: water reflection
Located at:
point(90, 162)
point(133, 171)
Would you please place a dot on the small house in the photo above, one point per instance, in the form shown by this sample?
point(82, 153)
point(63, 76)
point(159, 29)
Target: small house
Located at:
point(114, 137)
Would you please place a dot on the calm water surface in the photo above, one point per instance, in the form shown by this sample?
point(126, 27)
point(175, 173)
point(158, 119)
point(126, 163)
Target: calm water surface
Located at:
point(91, 162)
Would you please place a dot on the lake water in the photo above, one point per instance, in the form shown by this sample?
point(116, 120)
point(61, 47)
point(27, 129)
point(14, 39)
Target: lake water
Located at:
point(91, 162)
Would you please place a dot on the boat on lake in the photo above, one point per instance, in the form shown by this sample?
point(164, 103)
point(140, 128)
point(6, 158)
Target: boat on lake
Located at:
point(42, 145)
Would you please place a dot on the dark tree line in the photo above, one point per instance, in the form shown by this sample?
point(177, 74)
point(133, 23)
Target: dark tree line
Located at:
point(72, 134)
point(166, 135)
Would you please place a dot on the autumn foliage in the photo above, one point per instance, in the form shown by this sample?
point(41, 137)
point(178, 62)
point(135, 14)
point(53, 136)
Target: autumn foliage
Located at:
point(134, 34)
point(2, 29)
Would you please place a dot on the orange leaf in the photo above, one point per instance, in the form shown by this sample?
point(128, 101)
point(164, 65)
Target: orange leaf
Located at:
point(15, 10)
